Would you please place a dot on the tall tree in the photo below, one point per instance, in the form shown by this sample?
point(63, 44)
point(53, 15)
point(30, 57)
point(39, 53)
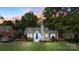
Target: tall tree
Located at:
point(50, 14)
point(16, 24)
point(62, 23)
point(1, 17)
point(8, 23)
point(28, 20)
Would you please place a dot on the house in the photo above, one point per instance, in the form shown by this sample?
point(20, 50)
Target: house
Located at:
point(68, 35)
point(6, 32)
point(36, 33)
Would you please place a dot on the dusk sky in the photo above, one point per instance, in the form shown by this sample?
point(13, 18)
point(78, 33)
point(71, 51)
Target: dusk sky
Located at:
point(10, 12)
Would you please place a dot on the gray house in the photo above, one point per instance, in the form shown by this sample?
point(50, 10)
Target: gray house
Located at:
point(36, 32)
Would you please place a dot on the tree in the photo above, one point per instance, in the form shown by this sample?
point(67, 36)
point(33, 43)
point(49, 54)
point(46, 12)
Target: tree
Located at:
point(62, 23)
point(16, 24)
point(50, 14)
point(8, 23)
point(1, 17)
point(75, 23)
point(71, 23)
point(28, 20)
point(72, 20)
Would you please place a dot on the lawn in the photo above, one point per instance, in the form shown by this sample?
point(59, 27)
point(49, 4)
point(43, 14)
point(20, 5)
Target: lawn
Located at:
point(41, 46)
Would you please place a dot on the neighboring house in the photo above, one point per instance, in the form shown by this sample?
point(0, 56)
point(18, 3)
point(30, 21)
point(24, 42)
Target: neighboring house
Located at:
point(30, 32)
point(68, 35)
point(6, 31)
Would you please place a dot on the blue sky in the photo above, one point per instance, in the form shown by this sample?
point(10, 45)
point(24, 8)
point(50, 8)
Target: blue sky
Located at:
point(17, 11)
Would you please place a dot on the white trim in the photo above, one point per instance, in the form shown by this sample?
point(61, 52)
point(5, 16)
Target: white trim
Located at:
point(46, 35)
point(29, 35)
point(52, 35)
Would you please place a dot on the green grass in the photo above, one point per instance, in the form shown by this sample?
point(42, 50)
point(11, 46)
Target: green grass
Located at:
point(41, 46)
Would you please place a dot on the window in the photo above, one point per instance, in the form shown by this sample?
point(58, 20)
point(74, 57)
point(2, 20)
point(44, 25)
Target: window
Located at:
point(46, 35)
point(52, 35)
point(29, 35)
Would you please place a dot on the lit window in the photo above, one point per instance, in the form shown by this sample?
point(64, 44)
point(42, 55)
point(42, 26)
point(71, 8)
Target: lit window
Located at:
point(46, 35)
point(31, 36)
point(52, 35)
point(28, 35)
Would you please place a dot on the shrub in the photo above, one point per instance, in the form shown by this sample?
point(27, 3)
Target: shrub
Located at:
point(53, 38)
point(18, 34)
point(72, 40)
point(29, 39)
point(25, 37)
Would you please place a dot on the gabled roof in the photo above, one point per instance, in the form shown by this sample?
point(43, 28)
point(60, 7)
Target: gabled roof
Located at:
point(5, 28)
point(33, 29)
point(53, 31)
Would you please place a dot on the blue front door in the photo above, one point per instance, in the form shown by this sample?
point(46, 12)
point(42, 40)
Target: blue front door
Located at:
point(37, 35)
